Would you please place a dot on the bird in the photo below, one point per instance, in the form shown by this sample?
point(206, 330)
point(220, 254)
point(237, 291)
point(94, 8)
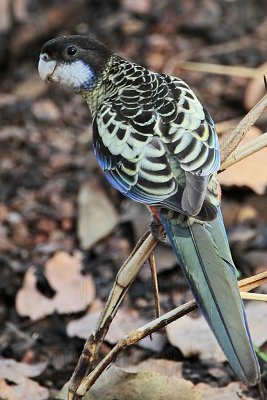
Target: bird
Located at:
point(157, 144)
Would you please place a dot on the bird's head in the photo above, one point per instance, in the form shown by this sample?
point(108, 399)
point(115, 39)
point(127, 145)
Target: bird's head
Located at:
point(74, 61)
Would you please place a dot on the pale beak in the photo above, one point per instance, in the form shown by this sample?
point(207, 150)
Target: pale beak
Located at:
point(46, 67)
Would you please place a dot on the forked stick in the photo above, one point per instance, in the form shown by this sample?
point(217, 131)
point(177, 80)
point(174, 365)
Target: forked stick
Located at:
point(245, 150)
point(147, 330)
point(134, 263)
point(123, 281)
point(238, 133)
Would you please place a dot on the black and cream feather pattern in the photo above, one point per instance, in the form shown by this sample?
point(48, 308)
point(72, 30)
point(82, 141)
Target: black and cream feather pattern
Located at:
point(152, 131)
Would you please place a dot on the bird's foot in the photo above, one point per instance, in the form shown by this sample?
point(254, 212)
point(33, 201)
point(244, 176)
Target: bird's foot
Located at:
point(157, 230)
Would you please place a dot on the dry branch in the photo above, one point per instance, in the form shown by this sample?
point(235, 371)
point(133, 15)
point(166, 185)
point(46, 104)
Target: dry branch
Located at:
point(247, 284)
point(254, 296)
point(235, 137)
point(123, 281)
point(147, 330)
point(242, 72)
point(154, 279)
point(245, 150)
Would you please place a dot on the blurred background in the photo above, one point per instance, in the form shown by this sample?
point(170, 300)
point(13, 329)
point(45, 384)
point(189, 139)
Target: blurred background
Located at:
point(64, 232)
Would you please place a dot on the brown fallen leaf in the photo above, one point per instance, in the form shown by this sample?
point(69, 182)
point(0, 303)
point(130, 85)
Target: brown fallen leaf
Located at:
point(97, 216)
point(229, 392)
point(117, 384)
point(137, 6)
point(29, 301)
point(24, 389)
point(193, 337)
point(45, 110)
point(8, 367)
point(125, 321)
point(14, 382)
point(165, 367)
point(249, 172)
point(74, 291)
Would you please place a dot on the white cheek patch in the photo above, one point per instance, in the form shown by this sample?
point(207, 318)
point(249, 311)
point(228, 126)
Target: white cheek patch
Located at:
point(77, 75)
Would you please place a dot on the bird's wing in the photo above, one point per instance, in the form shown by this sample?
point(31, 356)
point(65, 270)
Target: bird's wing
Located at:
point(133, 160)
point(149, 152)
point(191, 139)
point(189, 132)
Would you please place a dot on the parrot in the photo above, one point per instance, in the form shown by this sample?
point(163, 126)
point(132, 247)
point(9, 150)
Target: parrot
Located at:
point(157, 144)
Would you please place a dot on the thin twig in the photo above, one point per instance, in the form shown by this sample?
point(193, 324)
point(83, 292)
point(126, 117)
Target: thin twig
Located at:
point(127, 275)
point(243, 72)
point(254, 296)
point(245, 150)
point(147, 330)
point(152, 264)
point(247, 284)
point(233, 140)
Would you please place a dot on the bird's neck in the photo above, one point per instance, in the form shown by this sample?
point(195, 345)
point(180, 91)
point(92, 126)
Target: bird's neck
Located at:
point(105, 87)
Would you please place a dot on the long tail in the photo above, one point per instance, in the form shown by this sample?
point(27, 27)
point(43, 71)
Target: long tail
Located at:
point(204, 255)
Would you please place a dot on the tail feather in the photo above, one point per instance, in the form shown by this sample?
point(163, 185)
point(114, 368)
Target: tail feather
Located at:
point(204, 255)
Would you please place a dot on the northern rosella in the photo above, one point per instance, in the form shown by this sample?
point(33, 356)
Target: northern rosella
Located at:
point(157, 144)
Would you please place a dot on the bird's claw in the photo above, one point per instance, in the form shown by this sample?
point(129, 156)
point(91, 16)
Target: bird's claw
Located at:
point(157, 230)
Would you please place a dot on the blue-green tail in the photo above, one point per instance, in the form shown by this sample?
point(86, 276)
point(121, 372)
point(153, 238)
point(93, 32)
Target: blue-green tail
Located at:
point(204, 255)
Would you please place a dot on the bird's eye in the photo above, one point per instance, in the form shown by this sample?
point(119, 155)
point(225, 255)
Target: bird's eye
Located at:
point(71, 50)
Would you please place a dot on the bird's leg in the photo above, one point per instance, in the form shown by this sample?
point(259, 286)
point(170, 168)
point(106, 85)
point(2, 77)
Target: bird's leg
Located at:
point(124, 279)
point(156, 227)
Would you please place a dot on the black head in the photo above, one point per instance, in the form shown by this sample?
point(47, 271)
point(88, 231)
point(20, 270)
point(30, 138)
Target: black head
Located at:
point(76, 61)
